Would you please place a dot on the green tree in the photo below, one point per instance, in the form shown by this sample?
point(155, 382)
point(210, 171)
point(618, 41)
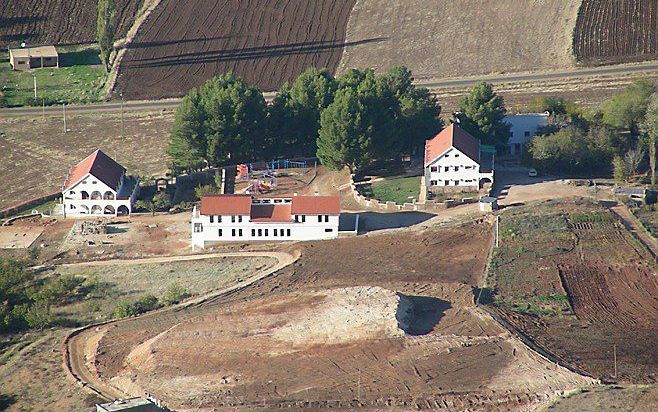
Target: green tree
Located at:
point(187, 143)
point(294, 115)
point(627, 109)
point(234, 125)
point(174, 294)
point(419, 109)
point(105, 28)
point(162, 200)
point(481, 113)
point(147, 205)
point(359, 127)
point(651, 128)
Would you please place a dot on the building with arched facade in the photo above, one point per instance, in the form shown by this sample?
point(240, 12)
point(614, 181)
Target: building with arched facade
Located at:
point(99, 186)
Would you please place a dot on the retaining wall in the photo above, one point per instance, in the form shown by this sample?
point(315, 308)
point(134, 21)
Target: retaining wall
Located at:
point(26, 205)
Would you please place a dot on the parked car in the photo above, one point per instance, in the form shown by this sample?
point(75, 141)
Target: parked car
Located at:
point(532, 173)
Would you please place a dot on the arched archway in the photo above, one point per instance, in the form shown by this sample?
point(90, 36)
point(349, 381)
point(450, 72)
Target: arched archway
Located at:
point(96, 210)
point(84, 210)
point(109, 210)
point(95, 195)
point(122, 210)
point(108, 195)
point(484, 181)
point(84, 194)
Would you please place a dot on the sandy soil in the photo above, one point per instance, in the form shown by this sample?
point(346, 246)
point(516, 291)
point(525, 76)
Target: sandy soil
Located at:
point(442, 38)
point(297, 338)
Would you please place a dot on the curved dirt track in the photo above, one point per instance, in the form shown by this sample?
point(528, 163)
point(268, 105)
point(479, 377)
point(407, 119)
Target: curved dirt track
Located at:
point(184, 43)
point(81, 343)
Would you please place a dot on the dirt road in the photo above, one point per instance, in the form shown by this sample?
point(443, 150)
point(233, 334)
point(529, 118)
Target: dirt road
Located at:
point(635, 227)
point(80, 345)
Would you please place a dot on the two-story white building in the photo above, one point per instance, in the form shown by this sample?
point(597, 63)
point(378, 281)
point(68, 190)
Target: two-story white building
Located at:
point(453, 159)
point(523, 127)
point(226, 218)
point(98, 186)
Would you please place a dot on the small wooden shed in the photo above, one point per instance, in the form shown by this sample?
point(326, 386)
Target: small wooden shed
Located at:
point(25, 58)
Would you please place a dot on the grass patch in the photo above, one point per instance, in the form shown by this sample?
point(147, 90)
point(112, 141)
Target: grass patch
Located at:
point(79, 79)
point(393, 189)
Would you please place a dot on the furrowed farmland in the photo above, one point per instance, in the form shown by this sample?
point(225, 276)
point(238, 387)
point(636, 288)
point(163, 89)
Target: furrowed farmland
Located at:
point(616, 31)
point(58, 22)
point(184, 43)
point(573, 279)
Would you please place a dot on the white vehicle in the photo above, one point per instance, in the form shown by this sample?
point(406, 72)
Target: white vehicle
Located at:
point(532, 173)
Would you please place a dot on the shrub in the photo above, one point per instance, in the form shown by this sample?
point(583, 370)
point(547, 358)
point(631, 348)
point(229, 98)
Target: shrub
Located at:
point(162, 200)
point(175, 294)
point(38, 316)
point(144, 304)
point(204, 190)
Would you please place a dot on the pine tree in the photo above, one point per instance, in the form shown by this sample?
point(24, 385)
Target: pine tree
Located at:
point(187, 144)
point(481, 113)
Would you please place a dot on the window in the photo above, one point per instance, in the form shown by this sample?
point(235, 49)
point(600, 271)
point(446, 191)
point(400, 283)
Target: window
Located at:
point(446, 183)
point(219, 219)
point(276, 232)
point(319, 218)
point(232, 218)
point(433, 182)
point(93, 182)
point(456, 168)
point(447, 168)
point(303, 218)
point(277, 200)
point(434, 169)
point(526, 134)
point(198, 227)
point(240, 219)
point(456, 154)
point(326, 218)
point(288, 232)
point(266, 234)
point(212, 219)
point(328, 230)
point(456, 182)
point(447, 155)
point(72, 207)
point(253, 232)
point(232, 232)
point(219, 231)
point(297, 218)
point(511, 135)
point(240, 232)
point(260, 232)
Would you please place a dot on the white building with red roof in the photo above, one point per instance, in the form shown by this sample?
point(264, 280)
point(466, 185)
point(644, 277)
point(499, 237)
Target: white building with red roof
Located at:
point(98, 186)
point(453, 159)
point(234, 218)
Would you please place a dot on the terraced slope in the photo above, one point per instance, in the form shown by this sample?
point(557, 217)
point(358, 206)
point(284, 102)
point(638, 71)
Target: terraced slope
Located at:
point(57, 21)
point(447, 38)
point(616, 31)
point(185, 42)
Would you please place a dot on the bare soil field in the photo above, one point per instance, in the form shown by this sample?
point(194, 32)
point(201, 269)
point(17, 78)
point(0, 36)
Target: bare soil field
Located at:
point(443, 38)
point(636, 398)
point(58, 22)
point(184, 43)
point(393, 328)
point(616, 31)
point(37, 153)
point(592, 287)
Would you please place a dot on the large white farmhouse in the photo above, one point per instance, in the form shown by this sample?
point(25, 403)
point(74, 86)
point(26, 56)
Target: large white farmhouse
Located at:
point(453, 159)
point(99, 186)
point(247, 218)
point(523, 127)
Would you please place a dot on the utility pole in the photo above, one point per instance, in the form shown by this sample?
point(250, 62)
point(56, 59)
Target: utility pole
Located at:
point(614, 355)
point(43, 109)
point(64, 111)
point(121, 95)
point(35, 87)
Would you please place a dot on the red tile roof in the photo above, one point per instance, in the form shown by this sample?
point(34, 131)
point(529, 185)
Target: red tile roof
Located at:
point(315, 205)
point(226, 205)
point(277, 213)
point(452, 136)
point(101, 166)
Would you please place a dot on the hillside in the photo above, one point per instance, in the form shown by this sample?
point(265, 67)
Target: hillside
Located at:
point(445, 38)
point(56, 21)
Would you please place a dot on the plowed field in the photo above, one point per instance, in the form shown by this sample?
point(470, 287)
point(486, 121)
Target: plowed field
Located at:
point(616, 31)
point(186, 42)
point(390, 323)
point(58, 22)
point(600, 272)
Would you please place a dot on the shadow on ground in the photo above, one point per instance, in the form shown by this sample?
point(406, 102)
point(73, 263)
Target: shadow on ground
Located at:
point(369, 221)
point(425, 314)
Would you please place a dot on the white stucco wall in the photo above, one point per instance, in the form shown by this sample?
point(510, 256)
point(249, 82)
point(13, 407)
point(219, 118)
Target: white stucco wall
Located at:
point(523, 127)
point(76, 206)
point(467, 173)
point(311, 229)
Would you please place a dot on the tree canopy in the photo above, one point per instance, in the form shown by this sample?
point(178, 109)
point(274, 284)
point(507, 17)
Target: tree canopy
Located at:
point(481, 113)
point(626, 110)
point(105, 28)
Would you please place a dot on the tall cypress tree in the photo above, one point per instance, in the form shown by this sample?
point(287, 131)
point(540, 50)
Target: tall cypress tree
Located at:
point(105, 28)
point(187, 144)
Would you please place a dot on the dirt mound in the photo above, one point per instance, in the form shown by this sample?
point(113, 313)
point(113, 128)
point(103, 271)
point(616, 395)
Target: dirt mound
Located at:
point(184, 43)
